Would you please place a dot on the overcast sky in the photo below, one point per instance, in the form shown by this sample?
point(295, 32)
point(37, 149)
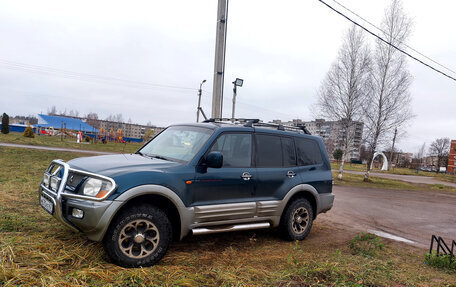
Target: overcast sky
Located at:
point(57, 53)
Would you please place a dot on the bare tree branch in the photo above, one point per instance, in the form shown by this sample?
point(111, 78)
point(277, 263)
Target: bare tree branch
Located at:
point(389, 104)
point(344, 90)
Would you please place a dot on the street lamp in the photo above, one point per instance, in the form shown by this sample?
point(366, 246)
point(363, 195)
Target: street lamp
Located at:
point(199, 101)
point(237, 83)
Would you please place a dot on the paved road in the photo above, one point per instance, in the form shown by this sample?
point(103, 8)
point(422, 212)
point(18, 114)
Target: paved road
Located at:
point(55, 148)
point(407, 178)
point(412, 215)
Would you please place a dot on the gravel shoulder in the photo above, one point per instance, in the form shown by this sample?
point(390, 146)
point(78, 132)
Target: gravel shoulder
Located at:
point(55, 148)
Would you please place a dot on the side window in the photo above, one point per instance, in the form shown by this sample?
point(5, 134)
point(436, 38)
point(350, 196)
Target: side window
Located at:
point(268, 151)
point(308, 152)
point(236, 149)
point(289, 152)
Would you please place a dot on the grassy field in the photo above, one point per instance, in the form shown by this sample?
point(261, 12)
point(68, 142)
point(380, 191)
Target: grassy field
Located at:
point(18, 138)
point(36, 250)
point(401, 171)
point(378, 182)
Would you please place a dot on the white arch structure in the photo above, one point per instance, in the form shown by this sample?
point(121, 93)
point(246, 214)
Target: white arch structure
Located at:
point(385, 160)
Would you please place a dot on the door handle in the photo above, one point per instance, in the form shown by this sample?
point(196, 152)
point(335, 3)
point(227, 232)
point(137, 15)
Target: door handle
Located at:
point(246, 176)
point(291, 174)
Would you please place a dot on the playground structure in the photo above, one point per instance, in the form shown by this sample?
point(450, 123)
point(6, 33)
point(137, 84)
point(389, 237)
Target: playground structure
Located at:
point(111, 136)
point(385, 160)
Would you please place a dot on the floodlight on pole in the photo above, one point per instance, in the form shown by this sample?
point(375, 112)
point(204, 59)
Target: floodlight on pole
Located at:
point(237, 83)
point(199, 101)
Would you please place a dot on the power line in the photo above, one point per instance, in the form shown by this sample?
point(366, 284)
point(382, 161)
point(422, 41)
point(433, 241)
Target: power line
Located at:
point(379, 29)
point(386, 42)
point(83, 76)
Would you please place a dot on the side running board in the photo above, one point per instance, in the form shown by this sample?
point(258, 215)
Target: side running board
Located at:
point(229, 228)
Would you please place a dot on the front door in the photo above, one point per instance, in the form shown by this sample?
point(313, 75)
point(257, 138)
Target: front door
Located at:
point(234, 181)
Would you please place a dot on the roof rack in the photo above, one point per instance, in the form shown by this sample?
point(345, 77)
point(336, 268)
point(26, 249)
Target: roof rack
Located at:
point(238, 120)
point(256, 123)
point(299, 128)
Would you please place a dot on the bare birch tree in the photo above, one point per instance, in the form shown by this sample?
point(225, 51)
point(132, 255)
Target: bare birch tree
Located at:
point(420, 153)
point(344, 90)
point(389, 106)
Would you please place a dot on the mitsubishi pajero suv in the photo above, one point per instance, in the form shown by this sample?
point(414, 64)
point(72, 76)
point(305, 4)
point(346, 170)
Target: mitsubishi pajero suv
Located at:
point(192, 179)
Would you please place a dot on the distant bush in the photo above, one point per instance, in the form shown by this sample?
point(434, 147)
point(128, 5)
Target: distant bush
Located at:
point(87, 139)
point(28, 133)
point(337, 154)
point(5, 123)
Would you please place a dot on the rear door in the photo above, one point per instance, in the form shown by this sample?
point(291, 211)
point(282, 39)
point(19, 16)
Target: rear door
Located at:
point(275, 161)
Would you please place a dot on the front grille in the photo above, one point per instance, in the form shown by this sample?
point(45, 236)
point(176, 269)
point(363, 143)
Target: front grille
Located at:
point(52, 179)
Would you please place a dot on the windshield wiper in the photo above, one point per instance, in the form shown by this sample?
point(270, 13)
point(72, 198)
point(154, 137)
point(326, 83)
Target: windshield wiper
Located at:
point(159, 157)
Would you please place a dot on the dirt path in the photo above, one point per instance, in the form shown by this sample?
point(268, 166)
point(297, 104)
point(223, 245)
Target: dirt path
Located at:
point(412, 215)
point(55, 148)
point(407, 178)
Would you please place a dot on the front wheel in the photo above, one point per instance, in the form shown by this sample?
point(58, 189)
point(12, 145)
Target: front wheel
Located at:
point(297, 220)
point(139, 236)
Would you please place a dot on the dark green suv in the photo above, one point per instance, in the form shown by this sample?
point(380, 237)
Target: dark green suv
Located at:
point(192, 179)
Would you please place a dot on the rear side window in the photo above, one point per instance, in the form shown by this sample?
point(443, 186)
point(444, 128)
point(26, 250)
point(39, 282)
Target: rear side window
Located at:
point(268, 151)
point(236, 149)
point(308, 152)
point(274, 151)
point(289, 152)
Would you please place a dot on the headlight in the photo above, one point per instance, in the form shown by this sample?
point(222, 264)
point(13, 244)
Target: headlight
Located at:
point(54, 183)
point(96, 187)
point(46, 180)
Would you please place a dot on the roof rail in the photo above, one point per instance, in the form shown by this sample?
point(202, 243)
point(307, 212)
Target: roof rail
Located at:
point(299, 128)
point(238, 120)
point(256, 123)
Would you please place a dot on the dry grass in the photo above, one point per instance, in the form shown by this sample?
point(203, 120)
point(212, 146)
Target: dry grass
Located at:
point(36, 250)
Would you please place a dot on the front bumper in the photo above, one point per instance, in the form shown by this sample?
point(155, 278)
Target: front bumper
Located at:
point(64, 203)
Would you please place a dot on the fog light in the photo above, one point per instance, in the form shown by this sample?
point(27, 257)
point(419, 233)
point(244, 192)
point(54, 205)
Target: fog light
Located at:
point(54, 183)
point(77, 213)
point(46, 179)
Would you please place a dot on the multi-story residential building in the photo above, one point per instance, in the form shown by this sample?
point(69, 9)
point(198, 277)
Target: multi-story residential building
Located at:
point(333, 134)
point(133, 131)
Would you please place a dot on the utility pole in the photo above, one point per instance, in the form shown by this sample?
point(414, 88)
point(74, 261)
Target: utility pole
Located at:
point(199, 101)
point(219, 63)
point(392, 150)
point(234, 100)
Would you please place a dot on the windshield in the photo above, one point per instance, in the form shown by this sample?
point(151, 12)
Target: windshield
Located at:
point(179, 143)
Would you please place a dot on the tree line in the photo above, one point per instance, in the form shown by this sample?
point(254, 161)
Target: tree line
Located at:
point(370, 85)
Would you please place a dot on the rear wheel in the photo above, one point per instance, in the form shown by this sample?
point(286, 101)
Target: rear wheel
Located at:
point(139, 236)
point(297, 220)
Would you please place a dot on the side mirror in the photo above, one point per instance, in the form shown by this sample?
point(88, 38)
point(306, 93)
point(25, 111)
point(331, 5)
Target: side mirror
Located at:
point(214, 159)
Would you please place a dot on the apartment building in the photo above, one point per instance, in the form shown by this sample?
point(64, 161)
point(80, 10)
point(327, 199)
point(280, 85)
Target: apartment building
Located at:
point(333, 134)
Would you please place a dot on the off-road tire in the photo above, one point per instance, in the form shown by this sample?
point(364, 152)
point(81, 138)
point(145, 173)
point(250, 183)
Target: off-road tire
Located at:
point(144, 222)
point(290, 227)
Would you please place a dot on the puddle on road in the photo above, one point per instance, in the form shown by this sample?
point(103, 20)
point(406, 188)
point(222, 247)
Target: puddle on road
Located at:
point(391, 236)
